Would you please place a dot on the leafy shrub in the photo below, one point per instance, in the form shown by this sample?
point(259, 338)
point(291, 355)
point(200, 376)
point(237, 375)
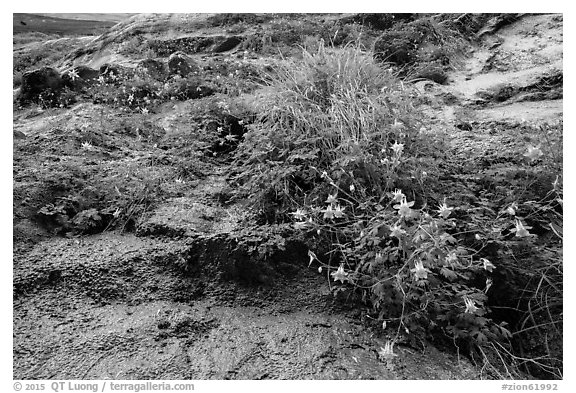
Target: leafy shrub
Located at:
point(337, 148)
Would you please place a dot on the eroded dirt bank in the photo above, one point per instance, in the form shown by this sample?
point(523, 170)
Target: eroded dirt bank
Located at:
point(174, 296)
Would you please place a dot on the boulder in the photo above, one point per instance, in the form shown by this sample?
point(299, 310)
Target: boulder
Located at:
point(45, 80)
point(152, 69)
point(228, 44)
point(181, 64)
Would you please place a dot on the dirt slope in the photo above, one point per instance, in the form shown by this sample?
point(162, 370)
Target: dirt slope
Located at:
point(177, 300)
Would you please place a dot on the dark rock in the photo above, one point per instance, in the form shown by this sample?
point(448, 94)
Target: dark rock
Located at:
point(228, 44)
point(152, 68)
point(181, 64)
point(45, 80)
point(464, 126)
point(18, 134)
point(395, 47)
point(435, 74)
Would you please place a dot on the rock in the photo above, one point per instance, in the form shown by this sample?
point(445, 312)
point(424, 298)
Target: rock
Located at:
point(152, 68)
point(395, 47)
point(435, 74)
point(18, 134)
point(45, 80)
point(181, 64)
point(226, 45)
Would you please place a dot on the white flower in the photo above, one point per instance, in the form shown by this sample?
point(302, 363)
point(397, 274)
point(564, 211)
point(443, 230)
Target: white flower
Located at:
point(387, 353)
point(470, 307)
point(145, 111)
point(397, 195)
point(397, 231)
point(73, 74)
point(312, 257)
point(488, 266)
point(420, 272)
point(352, 188)
point(299, 214)
point(521, 230)
point(397, 148)
point(451, 258)
point(444, 210)
point(86, 146)
point(512, 209)
point(397, 125)
point(340, 274)
point(320, 269)
point(533, 153)
point(404, 208)
point(331, 199)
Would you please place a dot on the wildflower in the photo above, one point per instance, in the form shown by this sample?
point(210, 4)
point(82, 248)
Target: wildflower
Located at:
point(404, 208)
point(397, 231)
point(420, 272)
point(384, 325)
point(385, 161)
point(424, 174)
point(512, 209)
point(521, 230)
point(302, 224)
point(397, 195)
point(219, 129)
point(387, 353)
point(477, 237)
point(331, 199)
point(230, 137)
point(470, 307)
point(312, 257)
point(397, 125)
point(240, 122)
point(86, 146)
point(488, 285)
point(299, 214)
point(339, 211)
point(556, 184)
point(397, 148)
point(145, 111)
point(320, 269)
point(533, 153)
point(329, 212)
point(488, 266)
point(340, 274)
point(117, 212)
point(131, 97)
point(352, 188)
point(379, 257)
point(73, 74)
point(179, 180)
point(451, 259)
point(324, 175)
point(444, 210)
